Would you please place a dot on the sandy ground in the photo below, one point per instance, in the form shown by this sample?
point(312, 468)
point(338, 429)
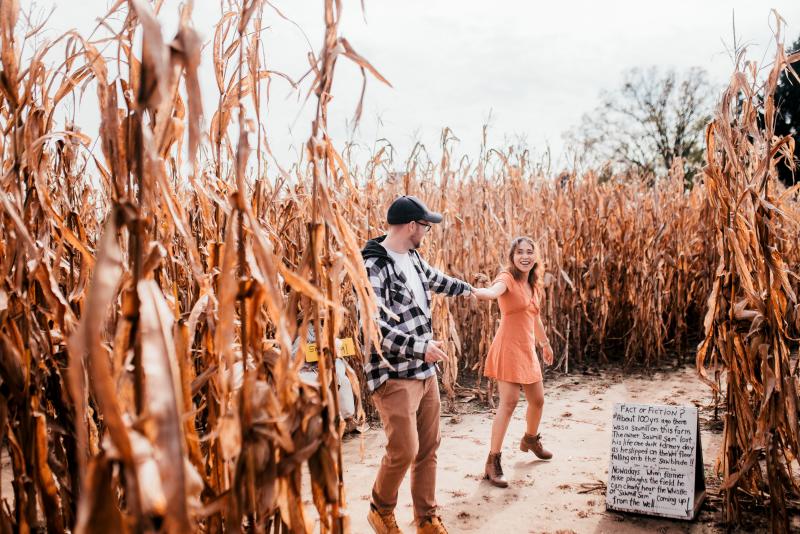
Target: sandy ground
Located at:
point(544, 496)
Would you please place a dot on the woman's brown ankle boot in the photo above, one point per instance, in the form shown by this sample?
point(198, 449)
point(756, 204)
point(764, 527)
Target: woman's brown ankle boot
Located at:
point(494, 471)
point(534, 443)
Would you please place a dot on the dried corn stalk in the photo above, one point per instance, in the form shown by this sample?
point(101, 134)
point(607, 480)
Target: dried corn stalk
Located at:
point(146, 326)
point(752, 303)
point(148, 312)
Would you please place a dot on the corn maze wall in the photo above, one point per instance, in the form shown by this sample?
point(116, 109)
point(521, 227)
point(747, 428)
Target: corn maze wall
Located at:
point(148, 307)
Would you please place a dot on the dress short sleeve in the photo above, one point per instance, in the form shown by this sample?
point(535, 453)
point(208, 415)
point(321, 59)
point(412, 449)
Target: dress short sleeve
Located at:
point(504, 277)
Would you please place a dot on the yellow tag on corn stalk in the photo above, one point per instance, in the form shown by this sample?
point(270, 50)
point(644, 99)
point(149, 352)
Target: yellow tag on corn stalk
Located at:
point(344, 348)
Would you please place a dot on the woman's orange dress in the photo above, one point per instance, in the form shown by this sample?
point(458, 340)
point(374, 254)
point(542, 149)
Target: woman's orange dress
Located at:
point(512, 356)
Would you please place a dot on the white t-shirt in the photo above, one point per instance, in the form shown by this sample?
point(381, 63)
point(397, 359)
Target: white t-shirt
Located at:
point(403, 264)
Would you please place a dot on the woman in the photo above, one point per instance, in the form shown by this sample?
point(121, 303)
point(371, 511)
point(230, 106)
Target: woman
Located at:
point(512, 359)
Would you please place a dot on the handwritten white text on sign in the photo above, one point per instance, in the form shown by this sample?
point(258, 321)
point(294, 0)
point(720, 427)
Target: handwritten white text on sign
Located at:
point(653, 452)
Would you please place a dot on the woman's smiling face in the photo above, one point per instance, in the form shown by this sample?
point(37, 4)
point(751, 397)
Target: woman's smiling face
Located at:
point(523, 256)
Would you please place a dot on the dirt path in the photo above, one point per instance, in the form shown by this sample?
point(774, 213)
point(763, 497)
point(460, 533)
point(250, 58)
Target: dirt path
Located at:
point(543, 496)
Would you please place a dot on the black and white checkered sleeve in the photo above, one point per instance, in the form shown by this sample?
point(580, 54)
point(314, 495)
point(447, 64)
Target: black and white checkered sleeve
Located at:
point(446, 285)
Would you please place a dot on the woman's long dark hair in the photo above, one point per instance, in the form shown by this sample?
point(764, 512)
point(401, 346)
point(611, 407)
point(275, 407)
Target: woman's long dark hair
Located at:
point(533, 279)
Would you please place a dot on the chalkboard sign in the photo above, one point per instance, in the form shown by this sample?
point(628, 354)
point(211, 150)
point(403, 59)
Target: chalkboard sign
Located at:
point(656, 461)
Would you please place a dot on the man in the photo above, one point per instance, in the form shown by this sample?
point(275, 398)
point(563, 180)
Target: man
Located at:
point(404, 385)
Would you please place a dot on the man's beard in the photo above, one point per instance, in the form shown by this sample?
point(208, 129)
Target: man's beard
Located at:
point(416, 242)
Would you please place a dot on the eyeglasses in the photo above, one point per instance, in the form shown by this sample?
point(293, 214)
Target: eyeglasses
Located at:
point(426, 226)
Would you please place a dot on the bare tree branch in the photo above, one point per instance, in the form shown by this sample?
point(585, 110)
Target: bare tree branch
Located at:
point(653, 120)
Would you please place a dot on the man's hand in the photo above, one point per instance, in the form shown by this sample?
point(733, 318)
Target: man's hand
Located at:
point(481, 278)
point(547, 354)
point(434, 353)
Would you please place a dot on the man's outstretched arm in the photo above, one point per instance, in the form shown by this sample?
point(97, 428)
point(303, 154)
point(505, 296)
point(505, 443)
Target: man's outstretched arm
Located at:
point(443, 284)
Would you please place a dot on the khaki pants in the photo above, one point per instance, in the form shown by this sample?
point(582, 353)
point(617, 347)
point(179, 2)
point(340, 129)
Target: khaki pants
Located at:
point(409, 411)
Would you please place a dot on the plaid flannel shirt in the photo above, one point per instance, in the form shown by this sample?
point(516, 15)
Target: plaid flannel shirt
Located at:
point(407, 329)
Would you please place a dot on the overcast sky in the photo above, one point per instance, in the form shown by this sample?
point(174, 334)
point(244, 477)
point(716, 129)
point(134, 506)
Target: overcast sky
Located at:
point(535, 66)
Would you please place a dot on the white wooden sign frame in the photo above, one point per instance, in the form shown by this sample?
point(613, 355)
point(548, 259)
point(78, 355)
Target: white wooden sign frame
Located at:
point(656, 461)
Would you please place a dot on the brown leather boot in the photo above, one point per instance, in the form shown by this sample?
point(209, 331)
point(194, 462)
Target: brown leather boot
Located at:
point(431, 525)
point(534, 443)
point(494, 471)
point(382, 523)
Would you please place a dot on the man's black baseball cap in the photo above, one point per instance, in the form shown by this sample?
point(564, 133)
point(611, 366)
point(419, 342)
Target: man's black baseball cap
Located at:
point(409, 208)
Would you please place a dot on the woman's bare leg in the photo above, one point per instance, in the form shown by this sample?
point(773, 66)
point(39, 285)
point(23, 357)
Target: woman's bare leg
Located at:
point(534, 393)
point(509, 396)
